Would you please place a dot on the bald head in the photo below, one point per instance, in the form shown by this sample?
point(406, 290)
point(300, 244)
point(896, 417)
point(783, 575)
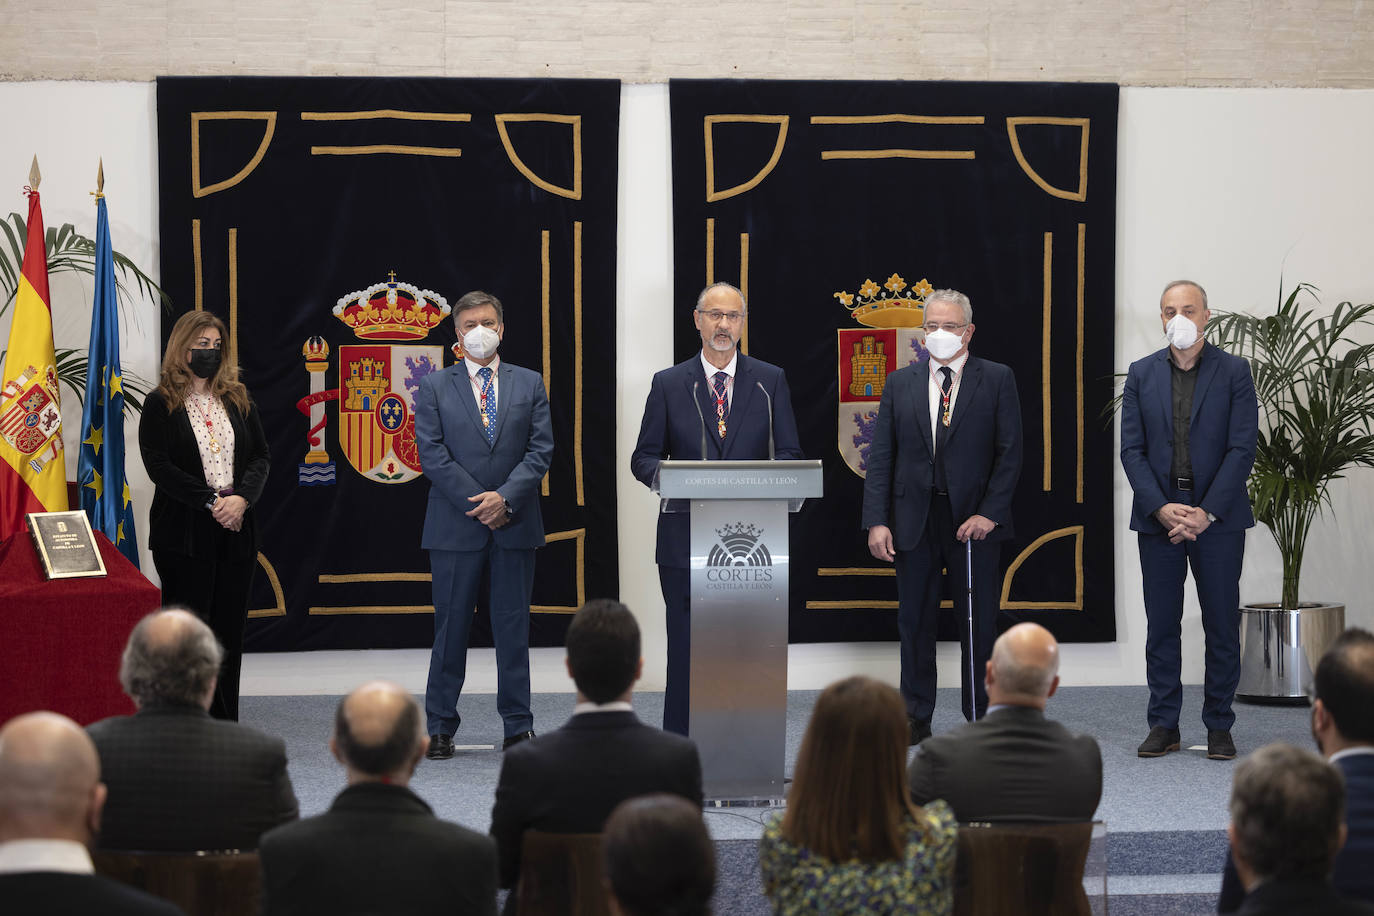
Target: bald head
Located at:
point(49, 780)
point(171, 658)
point(378, 733)
point(1024, 668)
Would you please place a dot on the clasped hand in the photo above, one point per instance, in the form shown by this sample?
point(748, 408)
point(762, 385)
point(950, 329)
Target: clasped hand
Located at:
point(490, 509)
point(228, 511)
point(1183, 523)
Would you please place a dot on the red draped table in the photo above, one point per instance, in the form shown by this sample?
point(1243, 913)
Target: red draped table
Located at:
point(60, 641)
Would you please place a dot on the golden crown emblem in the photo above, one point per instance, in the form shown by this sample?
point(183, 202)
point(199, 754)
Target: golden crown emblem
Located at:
point(895, 304)
point(392, 310)
point(315, 349)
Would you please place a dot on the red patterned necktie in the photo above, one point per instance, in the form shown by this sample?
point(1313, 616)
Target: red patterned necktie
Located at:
point(722, 403)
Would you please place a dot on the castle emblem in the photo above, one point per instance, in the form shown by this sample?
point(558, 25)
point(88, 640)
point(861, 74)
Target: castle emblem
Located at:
point(376, 383)
point(892, 337)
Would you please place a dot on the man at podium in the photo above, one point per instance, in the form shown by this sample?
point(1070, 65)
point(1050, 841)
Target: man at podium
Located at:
point(719, 405)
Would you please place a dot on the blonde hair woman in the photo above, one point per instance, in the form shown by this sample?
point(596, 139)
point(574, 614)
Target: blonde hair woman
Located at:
point(204, 449)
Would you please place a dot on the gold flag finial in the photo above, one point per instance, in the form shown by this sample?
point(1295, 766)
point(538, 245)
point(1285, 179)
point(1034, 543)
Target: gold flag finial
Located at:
point(99, 191)
point(35, 176)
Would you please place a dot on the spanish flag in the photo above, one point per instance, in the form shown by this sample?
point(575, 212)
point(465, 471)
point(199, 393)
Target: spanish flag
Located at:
point(33, 474)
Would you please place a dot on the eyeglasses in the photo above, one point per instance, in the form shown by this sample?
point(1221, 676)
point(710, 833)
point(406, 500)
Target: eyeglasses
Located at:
point(718, 315)
point(949, 326)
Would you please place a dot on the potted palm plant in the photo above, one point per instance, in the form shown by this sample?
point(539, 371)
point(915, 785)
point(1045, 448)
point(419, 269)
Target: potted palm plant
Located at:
point(1315, 386)
point(70, 251)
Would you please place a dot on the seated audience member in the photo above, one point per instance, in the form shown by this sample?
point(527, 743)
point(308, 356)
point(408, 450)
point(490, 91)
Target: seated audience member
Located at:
point(1343, 726)
point(379, 848)
point(179, 780)
point(50, 800)
point(1286, 827)
point(1013, 764)
point(659, 859)
point(569, 780)
point(851, 840)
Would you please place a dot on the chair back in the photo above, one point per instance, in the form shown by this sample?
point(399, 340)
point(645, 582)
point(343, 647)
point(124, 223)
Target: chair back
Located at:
point(560, 875)
point(201, 883)
point(1032, 869)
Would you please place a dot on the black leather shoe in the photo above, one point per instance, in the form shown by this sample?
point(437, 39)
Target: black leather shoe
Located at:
point(1219, 744)
point(516, 739)
point(920, 731)
point(440, 747)
point(1159, 742)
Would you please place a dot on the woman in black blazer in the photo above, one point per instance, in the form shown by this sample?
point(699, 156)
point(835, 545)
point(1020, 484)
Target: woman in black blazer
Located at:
point(206, 453)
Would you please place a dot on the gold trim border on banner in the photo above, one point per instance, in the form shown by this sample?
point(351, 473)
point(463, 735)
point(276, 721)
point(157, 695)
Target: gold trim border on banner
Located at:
point(1083, 124)
point(579, 535)
point(279, 609)
point(394, 114)
point(575, 121)
point(1074, 531)
point(269, 117)
point(1078, 360)
point(376, 149)
point(546, 327)
point(709, 122)
point(1046, 301)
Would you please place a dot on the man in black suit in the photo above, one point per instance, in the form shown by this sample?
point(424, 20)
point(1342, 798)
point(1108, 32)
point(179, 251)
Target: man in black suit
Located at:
point(1286, 826)
point(735, 407)
point(379, 848)
point(942, 468)
point(179, 780)
point(569, 780)
point(1014, 764)
point(50, 801)
point(1343, 726)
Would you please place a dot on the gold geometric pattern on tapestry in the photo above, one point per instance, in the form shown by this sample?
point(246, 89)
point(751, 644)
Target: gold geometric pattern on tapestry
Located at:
point(1076, 604)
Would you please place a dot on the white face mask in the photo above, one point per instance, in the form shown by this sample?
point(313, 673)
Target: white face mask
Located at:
point(942, 344)
point(480, 342)
point(1181, 331)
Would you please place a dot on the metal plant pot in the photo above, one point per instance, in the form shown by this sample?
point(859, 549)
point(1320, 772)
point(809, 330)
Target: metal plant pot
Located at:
point(1280, 648)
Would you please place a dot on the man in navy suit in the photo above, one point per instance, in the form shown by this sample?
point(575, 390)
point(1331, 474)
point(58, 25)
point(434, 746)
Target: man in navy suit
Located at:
point(485, 441)
point(942, 468)
point(1189, 420)
point(1343, 726)
point(736, 406)
point(570, 780)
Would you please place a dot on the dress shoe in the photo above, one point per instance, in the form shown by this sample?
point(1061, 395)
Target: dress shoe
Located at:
point(1219, 744)
point(440, 747)
point(516, 739)
point(1159, 742)
point(920, 731)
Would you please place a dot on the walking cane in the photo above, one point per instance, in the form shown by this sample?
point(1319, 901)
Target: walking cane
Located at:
point(972, 684)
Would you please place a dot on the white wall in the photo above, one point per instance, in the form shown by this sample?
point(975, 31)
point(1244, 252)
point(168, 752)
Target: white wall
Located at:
point(1229, 187)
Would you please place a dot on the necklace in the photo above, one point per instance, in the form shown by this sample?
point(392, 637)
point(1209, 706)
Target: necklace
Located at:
point(209, 424)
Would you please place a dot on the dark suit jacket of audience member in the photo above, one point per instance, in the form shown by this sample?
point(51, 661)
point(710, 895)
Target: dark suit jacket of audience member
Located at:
point(1301, 898)
point(1353, 874)
point(1013, 764)
point(40, 893)
point(569, 780)
point(181, 781)
point(378, 849)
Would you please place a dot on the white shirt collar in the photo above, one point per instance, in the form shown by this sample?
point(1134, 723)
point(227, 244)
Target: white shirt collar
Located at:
point(955, 365)
point(613, 706)
point(712, 370)
point(472, 367)
point(45, 855)
point(1351, 752)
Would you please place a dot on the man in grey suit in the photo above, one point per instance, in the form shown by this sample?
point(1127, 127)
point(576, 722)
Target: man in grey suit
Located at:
point(178, 780)
point(485, 440)
point(379, 848)
point(50, 801)
point(569, 780)
point(1013, 764)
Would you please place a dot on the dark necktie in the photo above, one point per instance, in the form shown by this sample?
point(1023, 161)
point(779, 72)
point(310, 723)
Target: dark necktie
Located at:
point(942, 430)
point(722, 402)
point(488, 403)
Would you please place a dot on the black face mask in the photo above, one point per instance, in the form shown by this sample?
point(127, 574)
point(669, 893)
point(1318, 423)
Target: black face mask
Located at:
point(205, 363)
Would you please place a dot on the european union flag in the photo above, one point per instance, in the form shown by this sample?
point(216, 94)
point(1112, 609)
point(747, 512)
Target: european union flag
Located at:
point(100, 467)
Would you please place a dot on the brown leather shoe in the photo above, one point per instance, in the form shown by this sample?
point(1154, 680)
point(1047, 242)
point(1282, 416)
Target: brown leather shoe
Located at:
point(1159, 742)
